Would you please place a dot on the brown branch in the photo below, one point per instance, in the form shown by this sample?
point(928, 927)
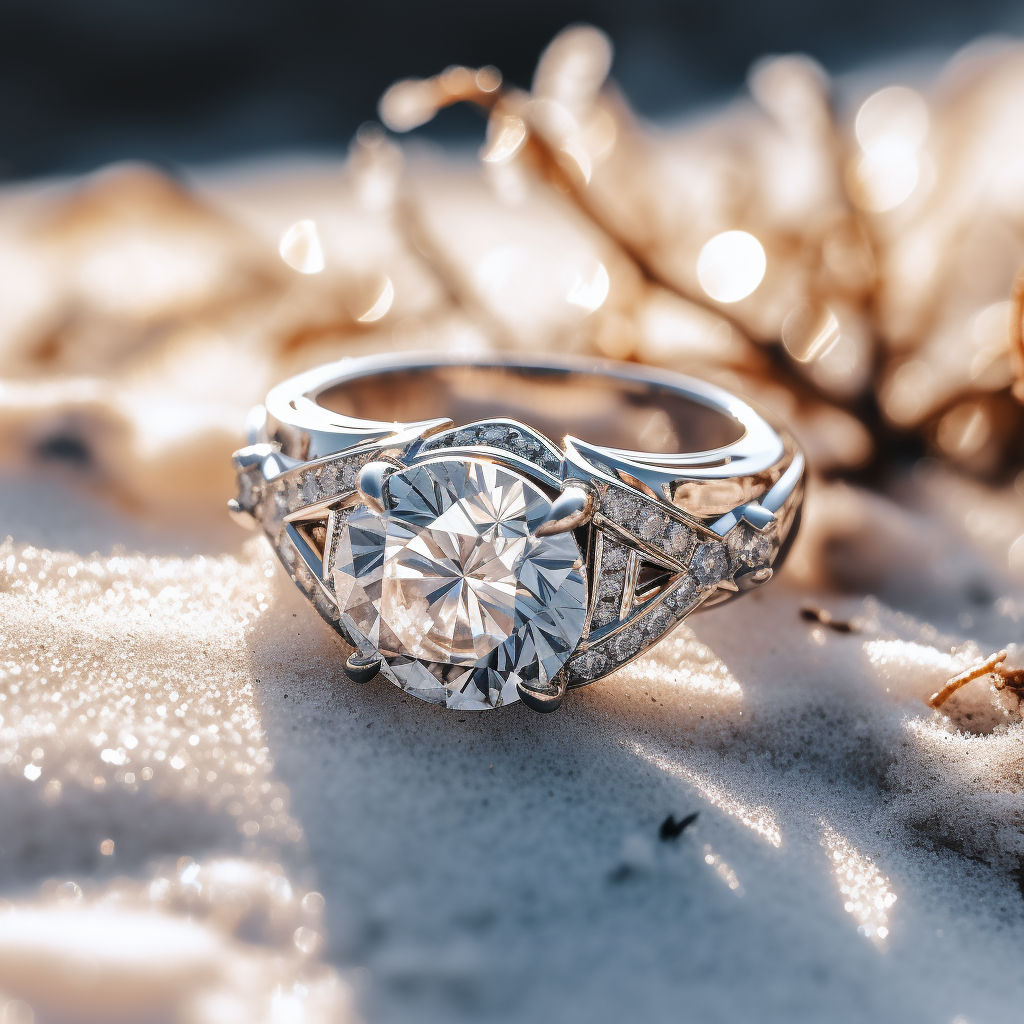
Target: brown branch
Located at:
point(989, 665)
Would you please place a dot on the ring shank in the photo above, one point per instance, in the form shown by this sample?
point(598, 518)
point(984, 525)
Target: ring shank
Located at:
point(615, 411)
point(681, 440)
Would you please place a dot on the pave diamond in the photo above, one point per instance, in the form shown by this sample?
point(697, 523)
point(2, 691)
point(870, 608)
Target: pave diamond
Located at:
point(709, 563)
point(454, 590)
point(751, 548)
point(677, 538)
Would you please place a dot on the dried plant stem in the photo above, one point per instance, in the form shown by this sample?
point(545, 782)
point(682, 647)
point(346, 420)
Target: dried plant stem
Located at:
point(988, 665)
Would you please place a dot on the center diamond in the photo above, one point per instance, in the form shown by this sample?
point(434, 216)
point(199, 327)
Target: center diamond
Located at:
point(452, 587)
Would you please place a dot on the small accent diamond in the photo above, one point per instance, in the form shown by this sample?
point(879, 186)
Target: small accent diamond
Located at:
point(651, 526)
point(751, 548)
point(709, 563)
point(611, 586)
point(329, 483)
point(682, 595)
point(677, 538)
point(349, 472)
point(495, 435)
point(613, 554)
point(589, 665)
point(625, 644)
point(658, 620)
point(621, 507)
point(605, 612)
point(310, 492)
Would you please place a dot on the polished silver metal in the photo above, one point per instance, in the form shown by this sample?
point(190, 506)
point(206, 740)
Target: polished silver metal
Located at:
point(661, 534)
point(569, 511)
point(370, 484)
point(360, 669)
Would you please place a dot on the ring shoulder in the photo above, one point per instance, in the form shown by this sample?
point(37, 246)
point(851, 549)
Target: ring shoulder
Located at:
point(651, 564)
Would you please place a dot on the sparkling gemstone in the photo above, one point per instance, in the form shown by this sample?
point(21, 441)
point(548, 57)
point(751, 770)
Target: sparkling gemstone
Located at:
point(709, 563)
point(329, 482)
point(611, 586)
point(309, 488)
point(348, 474)
point(621, 507)
point(626, 644)
point(589, 665)
point(452, 587)
point(657, 621)
point(605, 612)
point(494, 435)
point(613, 556)
point(651, 526)
point(749, 547)
point(682, 594)
point(677, 538)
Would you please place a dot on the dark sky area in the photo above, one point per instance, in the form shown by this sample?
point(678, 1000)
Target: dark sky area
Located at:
point(84, 82)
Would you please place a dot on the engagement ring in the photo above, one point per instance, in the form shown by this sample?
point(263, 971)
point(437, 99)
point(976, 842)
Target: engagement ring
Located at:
point(482, 531)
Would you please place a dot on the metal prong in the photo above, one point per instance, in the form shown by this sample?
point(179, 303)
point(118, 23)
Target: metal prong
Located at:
point(252, 456)
point(311, 513)
point(757, 515)
point(757, 578)
point(256, 425)
point(543, 698)
point(240, 515)
point(572, 508)
point(370, 483)
point(361, 669)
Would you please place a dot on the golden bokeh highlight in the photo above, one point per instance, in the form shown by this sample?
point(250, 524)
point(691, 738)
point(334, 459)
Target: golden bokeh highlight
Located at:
point(300, 248)
point(731, 266)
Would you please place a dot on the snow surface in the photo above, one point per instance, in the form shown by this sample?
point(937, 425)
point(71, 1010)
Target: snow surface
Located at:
point(505, 866)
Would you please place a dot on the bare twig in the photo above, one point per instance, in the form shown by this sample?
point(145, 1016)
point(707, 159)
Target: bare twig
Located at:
point(988, 665)
point(812, 613)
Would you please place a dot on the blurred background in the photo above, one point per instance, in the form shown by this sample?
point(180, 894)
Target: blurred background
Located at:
point(175, 81)
point(766, 817)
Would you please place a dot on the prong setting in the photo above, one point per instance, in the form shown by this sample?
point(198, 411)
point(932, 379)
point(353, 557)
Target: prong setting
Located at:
point(543, 699)
point(370, 484)
point(361, 669)
point(752, 580)
point(572, 509)
point(241, 516)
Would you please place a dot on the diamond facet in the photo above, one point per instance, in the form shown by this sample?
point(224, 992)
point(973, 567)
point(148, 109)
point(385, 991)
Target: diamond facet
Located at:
point(452, 588)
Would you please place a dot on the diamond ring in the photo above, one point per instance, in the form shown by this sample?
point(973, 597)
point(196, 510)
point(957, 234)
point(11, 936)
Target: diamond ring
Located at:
point(447, 517)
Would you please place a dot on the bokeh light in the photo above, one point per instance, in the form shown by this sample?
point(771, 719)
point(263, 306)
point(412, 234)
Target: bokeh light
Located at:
point(731, 266)
point(301, 249)
point(891, 127)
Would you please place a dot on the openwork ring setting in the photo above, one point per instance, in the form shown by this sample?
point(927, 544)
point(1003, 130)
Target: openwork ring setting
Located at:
point(475, 562)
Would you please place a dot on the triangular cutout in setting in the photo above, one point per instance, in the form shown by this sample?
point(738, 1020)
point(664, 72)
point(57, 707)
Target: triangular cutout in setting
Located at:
point(315, 535)
point(310, 530)
point(651, 580)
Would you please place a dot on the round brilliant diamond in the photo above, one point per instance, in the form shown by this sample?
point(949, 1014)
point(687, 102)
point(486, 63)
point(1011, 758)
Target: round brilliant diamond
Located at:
point(452, 588)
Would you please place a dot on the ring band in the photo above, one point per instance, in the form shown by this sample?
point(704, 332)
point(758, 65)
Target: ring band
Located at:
point(424, 508)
